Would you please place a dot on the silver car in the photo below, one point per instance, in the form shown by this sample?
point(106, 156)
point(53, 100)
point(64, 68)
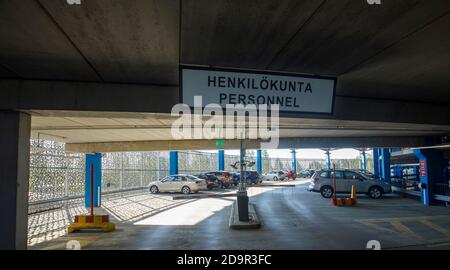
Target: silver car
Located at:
point(178, 183)
point(274, 175)
point(322, 181)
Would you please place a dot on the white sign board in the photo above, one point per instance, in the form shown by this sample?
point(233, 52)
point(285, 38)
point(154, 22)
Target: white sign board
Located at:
point(293, 93)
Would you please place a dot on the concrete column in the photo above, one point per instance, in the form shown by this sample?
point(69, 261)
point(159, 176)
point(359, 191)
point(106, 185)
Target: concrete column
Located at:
point(385, 165)
point(376, 162)
point(363, 160)
point(93, 162)
point(294, 161)
point(328, 160)
point(432, 171)
point(14, 174)
point(259, 161)
point(173, 162)
point(221, 160)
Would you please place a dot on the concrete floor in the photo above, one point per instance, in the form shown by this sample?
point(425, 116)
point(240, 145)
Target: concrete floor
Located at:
point(292, 218)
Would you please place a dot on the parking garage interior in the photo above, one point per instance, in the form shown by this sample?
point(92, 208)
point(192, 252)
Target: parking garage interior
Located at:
point(93, 85)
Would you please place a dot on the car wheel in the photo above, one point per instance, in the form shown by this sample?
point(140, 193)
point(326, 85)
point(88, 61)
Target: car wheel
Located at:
point(275, 178)
point(326, 192)
point(210, 187)
point(154, 189)
point(185, 190)
point(375, 192)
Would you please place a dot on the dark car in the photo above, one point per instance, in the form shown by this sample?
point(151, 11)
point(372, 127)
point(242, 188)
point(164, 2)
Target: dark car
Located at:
point(305, 174)
point(251, 177)
point(211, 180)
point(225, 178)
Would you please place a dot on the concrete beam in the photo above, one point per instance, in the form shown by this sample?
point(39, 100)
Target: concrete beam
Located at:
point(285, 143)
point(86, 96)
point(113, 97)
point(353, 142)
point(175, 145)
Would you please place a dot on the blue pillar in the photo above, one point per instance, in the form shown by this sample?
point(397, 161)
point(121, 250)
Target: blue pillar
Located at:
point(259, 161)
point(294, 161)
point(93, 161)
point(173, 162)
point(398, 171)
point(363, 160)
point(432, 170)
point(376, 163)
point(221, 160)
point(385, 165)
point(328, 160)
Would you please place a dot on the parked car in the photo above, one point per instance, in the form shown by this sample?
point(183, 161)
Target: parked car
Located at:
point(306, 173)
point(178, 183)
point(211, 180)
point(225, 178)
point(291, 175)
point(274, 175)
point(322, 181)
point(251, 177)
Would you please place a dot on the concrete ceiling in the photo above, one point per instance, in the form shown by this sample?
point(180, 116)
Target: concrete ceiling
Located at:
point(395, 52)
point(102, 127)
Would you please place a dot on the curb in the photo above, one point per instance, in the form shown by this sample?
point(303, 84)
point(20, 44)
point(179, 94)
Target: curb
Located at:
point(235, 224)
point(201, 196)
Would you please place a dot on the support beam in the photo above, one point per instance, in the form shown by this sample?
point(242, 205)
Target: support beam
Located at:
point(432, 171)
point(87, 96)
point(259, 161)
point(14, 174)
point(221, 160)
point(93, 161)
point(363, 160)
point(173, 162)
point(93, 96)
point(386, 165)
point(294, 161)
point(285, 143)
point(328, 160)
point(376, 162)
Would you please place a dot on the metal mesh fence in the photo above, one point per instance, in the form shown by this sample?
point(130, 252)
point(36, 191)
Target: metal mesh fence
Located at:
point(196, 162)
point(54, 174)
point(129, 170)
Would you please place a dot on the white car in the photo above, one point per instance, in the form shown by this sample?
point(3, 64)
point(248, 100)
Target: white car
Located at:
point(274, 175)
point(178, 183)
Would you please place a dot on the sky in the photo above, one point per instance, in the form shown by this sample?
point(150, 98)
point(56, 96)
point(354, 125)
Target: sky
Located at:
point(346, 153)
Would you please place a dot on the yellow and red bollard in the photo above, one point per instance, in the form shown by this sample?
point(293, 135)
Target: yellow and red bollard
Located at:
point(91, 221)
point(342, 201)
